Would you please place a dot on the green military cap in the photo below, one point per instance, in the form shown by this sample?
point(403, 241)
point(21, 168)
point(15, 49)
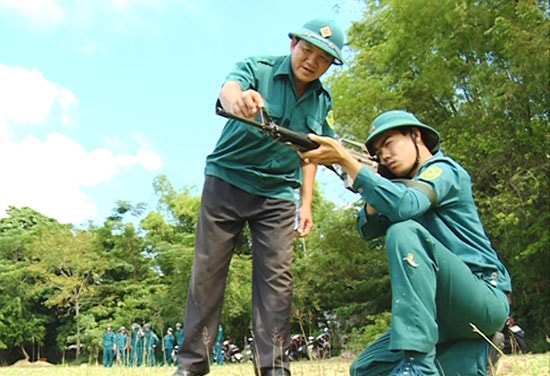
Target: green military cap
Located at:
point(399, 119)
point(325, 34)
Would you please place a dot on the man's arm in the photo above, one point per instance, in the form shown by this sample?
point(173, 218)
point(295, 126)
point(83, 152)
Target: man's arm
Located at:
point(305, 215)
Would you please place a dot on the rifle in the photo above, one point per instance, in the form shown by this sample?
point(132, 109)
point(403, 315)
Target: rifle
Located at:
point(301, 142)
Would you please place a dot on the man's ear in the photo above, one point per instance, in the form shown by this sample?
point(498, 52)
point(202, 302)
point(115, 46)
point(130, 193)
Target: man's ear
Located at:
point(417, 136)
point(293, 43)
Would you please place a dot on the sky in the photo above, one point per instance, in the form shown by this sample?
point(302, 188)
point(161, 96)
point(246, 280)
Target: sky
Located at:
point(98, 97)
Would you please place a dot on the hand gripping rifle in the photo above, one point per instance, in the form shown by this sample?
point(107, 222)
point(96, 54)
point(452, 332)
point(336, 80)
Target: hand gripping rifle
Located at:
point(301, 142)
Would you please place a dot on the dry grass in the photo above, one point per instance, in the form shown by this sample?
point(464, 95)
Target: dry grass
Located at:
point(512, 365)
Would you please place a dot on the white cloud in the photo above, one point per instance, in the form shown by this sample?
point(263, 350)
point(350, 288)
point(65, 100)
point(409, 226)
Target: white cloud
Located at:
point(84, 13)
point(45, 11)
point(27, 97)
point(48, 174)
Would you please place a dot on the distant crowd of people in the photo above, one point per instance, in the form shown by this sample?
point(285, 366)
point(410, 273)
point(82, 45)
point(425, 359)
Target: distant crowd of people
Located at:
point(138, 346)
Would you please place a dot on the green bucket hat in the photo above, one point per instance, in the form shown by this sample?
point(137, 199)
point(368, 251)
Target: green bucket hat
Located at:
point(399, 119)
point(324, 34)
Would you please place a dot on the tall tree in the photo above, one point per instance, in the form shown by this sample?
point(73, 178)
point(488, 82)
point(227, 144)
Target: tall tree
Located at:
point(23, 320)
point(70, 264)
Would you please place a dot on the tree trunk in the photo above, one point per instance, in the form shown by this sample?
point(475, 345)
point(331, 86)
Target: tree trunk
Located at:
point(25, 354)
point(77, 315)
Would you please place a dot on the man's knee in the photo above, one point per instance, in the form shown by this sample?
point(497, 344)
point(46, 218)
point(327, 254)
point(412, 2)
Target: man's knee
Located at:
point(403, 234)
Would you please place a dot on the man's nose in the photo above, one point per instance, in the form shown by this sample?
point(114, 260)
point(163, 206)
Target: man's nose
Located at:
point(312, 60)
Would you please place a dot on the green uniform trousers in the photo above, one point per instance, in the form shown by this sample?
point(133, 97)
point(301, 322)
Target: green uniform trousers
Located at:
point(435, 297)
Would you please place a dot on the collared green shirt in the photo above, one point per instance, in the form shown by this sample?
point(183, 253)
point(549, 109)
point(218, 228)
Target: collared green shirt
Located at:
point(453, 219)
point(252, 160)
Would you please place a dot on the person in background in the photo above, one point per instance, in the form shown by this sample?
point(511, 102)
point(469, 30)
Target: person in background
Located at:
point(151, 342)
point(168, 344)
point(446, 278)
point(218, 357)
point(122, 346)
point(109, 340)
point(136, 352)
point(252, 179)
point(179, 334)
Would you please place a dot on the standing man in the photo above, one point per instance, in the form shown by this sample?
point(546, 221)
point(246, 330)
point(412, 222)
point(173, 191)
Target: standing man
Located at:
point(151, 341)
point(122, 346)
point(217, 354)
point(168, 345)
point(252, 179)
point(136, 351)
point(445, 276)
point(109, 340)
point(179, 334)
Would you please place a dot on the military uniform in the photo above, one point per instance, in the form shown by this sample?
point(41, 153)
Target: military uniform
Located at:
point(168, 343)
point(151, 341)
point(122, 346)
point(136, 351)
point(217, 354)
point(444, 273)
point(108, 341)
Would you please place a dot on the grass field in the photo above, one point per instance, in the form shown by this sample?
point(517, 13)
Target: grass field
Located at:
point(511, 365)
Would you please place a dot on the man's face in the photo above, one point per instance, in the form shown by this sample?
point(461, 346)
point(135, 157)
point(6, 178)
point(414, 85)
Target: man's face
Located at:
point(308, 62)
point(396, 151)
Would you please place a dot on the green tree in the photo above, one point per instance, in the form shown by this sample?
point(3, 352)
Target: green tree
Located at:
point(23, 320)
point(70, 265)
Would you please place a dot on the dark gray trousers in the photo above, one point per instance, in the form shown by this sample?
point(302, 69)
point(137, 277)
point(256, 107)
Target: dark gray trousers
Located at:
point(225, 209)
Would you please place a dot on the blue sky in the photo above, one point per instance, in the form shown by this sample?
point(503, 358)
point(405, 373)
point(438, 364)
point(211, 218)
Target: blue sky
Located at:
point(97, 97)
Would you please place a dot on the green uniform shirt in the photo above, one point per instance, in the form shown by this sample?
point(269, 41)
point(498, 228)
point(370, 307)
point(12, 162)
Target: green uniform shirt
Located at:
point(453, 220)
point(109, 339)
point(250, 159)
point(121, 341)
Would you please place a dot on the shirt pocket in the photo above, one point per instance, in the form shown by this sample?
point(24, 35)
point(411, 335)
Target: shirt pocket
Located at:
point(314, 125)
point(276, 113)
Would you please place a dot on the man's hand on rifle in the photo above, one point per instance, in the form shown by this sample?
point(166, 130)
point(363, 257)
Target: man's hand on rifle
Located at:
point(241, 103)
point(331, 152)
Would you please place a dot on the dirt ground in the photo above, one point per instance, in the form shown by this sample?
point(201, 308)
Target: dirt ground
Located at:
point(26, 363)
